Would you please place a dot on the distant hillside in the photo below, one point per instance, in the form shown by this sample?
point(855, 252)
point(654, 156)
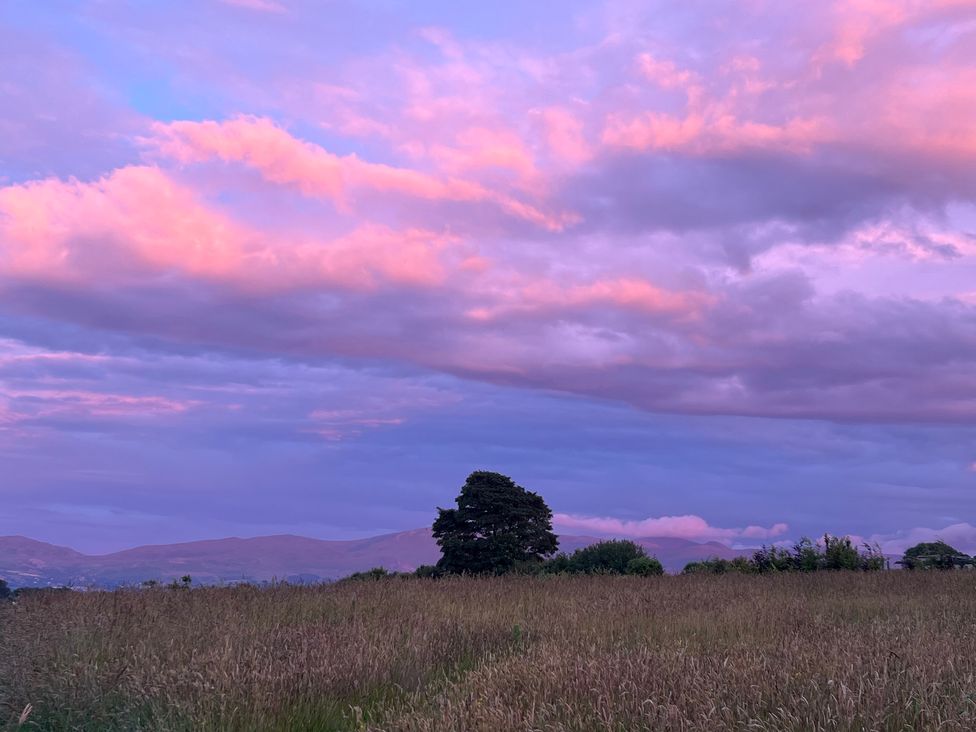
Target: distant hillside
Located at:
point(26, 562)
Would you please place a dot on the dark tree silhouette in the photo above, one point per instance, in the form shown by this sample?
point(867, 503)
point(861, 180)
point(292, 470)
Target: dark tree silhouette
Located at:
point(496, 526)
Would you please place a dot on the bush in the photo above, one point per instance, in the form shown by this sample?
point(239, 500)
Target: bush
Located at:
point(609, 557)
point(5, 592)
point(645, 567)
point(605, 557)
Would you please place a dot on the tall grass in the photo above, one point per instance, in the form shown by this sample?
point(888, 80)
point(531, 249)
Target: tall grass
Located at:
point(824, 651)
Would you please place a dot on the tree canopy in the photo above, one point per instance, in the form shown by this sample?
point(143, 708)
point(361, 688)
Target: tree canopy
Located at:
point(934, 555)
point(496, 526)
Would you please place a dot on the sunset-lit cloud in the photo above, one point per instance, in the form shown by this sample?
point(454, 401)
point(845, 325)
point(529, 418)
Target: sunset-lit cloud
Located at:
point(282, 159)
point(694, 528)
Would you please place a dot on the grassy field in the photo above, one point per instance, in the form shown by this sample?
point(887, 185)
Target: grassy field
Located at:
point(824, 651)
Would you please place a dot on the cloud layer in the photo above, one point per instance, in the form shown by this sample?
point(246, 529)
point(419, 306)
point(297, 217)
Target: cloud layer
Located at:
point(759, 211)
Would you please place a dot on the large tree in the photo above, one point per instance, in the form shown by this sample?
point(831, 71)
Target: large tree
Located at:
point(496, 526)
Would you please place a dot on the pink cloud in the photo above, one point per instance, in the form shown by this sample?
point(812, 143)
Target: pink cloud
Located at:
point(564, 135)
point(286, 160)
point(12, 352)
point(927, 110)
point(668, 75)
point(713, 131)
point(58, 402)
point(653, 131)
point(962, 536)
point(264, 6)
point(68, 230)
point(690, 527)
point(859, 23)
point(629, 293)
point(479, 148)
point(53, 229)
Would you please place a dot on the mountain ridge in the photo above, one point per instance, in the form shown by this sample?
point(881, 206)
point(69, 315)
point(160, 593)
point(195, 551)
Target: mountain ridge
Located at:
point(26, 562)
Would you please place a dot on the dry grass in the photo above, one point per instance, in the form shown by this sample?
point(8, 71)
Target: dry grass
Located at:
point(884, 651)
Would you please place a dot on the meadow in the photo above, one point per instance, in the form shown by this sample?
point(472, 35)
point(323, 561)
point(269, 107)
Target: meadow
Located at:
point(821, 651)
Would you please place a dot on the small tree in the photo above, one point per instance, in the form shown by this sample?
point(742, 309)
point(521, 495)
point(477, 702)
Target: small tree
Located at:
point(934, 555)
point(5, 592)
point(497, 525)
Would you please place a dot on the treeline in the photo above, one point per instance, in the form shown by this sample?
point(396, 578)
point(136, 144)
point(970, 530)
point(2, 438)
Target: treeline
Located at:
point(499, 527)
point(835, 552)
point(619, 557)
point(624, 557)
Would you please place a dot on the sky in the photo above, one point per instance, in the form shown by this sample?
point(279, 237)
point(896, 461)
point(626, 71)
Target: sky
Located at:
point(693, 269)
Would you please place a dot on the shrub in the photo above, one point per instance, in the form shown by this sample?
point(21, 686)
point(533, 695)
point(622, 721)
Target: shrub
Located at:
point(617, 556)
point(610, 557)
point(645, 567)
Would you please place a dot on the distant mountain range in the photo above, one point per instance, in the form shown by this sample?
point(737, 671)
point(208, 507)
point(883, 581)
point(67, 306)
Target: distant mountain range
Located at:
point(29, 563)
